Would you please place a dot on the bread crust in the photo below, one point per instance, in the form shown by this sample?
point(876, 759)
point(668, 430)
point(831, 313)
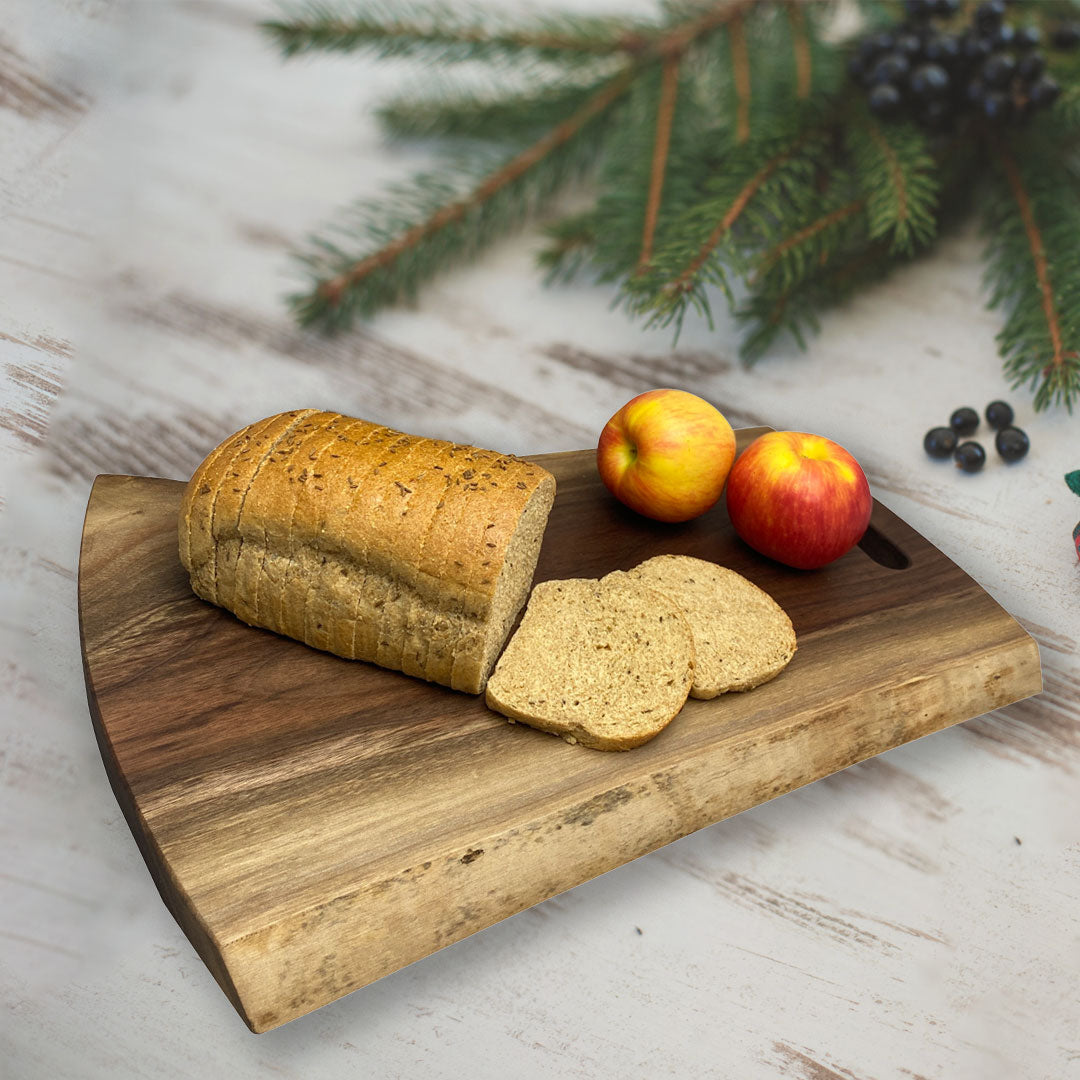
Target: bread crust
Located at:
point(333, 468)
point(206, 500)
point(332, 530)
point(285, 431)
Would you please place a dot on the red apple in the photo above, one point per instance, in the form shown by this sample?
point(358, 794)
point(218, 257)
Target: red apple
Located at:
point(800, 499)
point(666, 454)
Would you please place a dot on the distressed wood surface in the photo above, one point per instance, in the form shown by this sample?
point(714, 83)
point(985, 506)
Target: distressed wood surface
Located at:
point(313, 824)
point(914, 916)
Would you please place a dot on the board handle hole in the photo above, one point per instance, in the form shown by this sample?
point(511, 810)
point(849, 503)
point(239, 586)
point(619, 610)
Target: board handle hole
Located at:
point(883, 551)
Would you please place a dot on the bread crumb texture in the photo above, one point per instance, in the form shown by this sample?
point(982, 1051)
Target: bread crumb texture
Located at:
point(742, 637)
point(607, 664)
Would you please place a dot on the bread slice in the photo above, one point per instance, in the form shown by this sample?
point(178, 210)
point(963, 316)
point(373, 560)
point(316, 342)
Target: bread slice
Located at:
point(742, 637)
point(476, 654)
point(253, 551)
point(429, 501)
point(283, 440)
point(322, 500)
point(487, 523)
point(213, 497)
point(605, 663)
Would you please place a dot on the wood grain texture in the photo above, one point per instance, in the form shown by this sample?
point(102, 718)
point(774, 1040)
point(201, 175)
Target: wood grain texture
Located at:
point(315, 824)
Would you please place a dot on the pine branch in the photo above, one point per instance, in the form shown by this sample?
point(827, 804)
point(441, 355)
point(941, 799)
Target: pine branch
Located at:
point(701, 243)
point(434, 221)
point(801, 48)
point(897, 177)
point(572, 247)
point(665, 110)
point(796, 308)
point(644, 182)
point(1066, 113)
point(475, 115)
point(740, 70)
point(797, 255)
point(451, 223)
point(726, 144)
point(450, 34)
point(1033, 219)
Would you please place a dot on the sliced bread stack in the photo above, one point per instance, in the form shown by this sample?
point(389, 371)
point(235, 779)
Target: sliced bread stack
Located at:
point(414, 553)
point(610, 663)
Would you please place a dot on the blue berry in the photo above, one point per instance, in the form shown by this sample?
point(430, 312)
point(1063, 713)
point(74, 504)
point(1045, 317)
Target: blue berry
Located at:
point(999, 414)
point(878, 43)
point(940, 442)
point(1031, 66)
point(969, 456)
point(1044, 92)
point(998, 69)
point(964, 421)
point(919, 9)
point(909, 44)
point(989, 15)
point(1012, 443)
point(885, 99)
point(974, 47)
point(890, 68)
point(1004, 37)
point(1028, 37)
point(997, 107)
point(936, 115)
point(942, 48)
point(929, 81)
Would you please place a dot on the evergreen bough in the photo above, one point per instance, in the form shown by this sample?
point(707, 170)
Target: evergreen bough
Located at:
point(727, 148)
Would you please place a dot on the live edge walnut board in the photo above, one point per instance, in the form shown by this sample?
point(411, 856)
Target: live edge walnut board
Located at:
point(315, 823)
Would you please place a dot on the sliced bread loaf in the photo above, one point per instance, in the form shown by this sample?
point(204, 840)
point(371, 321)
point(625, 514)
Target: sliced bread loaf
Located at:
point(605, 663)
point(742, 637)
point(306, 524)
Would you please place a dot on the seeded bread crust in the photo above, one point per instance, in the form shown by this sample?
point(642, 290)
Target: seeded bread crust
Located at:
point(604, 663)
point(335, 531)
point(214, 482)
point(742, 637)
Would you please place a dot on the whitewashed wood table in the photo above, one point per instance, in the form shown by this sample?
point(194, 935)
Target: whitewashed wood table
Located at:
point(916, 916)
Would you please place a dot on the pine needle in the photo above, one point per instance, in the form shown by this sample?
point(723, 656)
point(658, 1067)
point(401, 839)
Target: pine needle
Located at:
point(665, 111)
point(448, 34)
point(435, 220)
point(897, 177)
point(1033, 221)
point(729, 151)
point(701, 243)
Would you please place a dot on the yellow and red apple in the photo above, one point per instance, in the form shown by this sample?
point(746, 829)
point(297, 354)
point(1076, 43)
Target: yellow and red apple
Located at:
point(666, 454)
point(800, 499)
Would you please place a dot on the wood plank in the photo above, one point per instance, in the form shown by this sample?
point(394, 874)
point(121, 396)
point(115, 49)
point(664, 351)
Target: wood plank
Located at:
point(314, 824)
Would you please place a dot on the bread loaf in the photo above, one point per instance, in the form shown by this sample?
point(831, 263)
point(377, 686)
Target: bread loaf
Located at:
point(413, 553)
point(604, 663)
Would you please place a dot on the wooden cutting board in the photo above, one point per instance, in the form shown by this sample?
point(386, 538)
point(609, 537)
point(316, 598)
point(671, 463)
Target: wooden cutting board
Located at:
point(315, 823)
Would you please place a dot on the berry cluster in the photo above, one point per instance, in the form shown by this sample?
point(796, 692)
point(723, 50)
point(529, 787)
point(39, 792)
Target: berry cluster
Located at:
point(1011, 443)
point(991, 68)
